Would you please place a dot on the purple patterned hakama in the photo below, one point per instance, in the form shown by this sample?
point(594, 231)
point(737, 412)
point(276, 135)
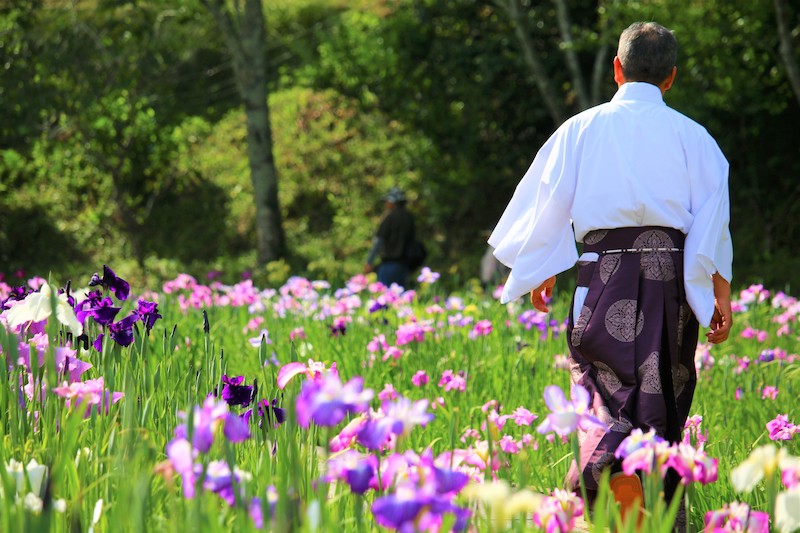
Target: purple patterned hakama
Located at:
point(633, 340)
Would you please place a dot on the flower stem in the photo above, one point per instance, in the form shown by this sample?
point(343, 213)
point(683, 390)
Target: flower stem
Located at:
point(576, 454)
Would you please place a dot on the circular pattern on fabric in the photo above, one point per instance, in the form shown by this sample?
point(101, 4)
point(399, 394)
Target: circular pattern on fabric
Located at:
point(622, 322)
point(680, 377)
point(600, 464)
point(618, 425)
point(593, 237)
point(656, 266)
point(649, 375)
point(607, 378)
point(580, 326)
point(609, 264)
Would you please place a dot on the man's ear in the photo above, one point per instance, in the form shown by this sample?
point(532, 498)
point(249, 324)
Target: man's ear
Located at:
point(667, 83)
point(619, 78)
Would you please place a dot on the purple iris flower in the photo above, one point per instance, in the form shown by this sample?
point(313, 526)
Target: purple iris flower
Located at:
point(122, 331)
point(207, 418)
point(98, 343)
point(397, 510)
point(112, 282)
point(234, 393)
point(360, 477)
point(356, 469)
point(449, 481)
point(419, 500)
point(235, 429)
point(327, 401)
point(16, 293)
point(103, 311)
point(255, 509)
point(413, 509)
point(181, 455)
point(375, 433)
point(275, 415)
point(148, 311)
point(85, 306)
point(339, 327)
point(400, 417)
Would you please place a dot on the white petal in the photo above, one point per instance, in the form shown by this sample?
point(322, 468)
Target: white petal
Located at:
point(745, 476)
point(66, 315)
point(787, 511)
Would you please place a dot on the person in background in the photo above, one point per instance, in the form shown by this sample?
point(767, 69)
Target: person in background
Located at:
point(396, 231)
point(645, 189)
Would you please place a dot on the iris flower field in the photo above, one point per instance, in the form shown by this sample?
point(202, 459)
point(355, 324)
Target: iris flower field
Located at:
point(200, 406)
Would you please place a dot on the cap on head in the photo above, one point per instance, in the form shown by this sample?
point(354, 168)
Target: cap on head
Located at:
point(395, 195)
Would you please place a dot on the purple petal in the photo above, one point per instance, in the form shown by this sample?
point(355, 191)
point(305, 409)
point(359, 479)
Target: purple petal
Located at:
point(391, 511)
point(359, 478)
point(555, 399)
point(580, 396)
point(236, 429)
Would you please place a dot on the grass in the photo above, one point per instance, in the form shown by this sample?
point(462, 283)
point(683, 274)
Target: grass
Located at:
point(110, 471)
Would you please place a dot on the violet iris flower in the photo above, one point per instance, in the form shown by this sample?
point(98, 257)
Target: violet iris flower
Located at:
point(16, 293)
point(102, 311)
point(275, 415)
point(85, 306)
point(566, 417)
point(328, 401)
point(255, 509)
point(148, 311)
point(112, 282)
point(399, 419)
point(182, 453)
point(122, 331)
point(234, 393)
point(355, 469)
point(207, 418)
point(424, 495)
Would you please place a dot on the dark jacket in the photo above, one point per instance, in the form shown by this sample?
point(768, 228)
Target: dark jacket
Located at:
point(396, 231)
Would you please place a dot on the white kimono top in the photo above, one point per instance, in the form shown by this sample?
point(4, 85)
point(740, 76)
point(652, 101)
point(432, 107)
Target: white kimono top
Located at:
point(630, 162)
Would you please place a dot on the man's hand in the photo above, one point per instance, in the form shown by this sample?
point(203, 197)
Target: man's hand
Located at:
point(722, 320)
point(368, 268)
point(536, 294)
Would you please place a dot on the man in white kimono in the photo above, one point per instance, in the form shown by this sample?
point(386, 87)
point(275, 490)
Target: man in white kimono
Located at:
point(645, 189)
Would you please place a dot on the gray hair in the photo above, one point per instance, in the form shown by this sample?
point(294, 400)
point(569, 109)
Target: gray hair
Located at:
point(648, 51)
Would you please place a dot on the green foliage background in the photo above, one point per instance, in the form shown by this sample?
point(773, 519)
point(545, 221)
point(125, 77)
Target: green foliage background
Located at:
point(122, 140)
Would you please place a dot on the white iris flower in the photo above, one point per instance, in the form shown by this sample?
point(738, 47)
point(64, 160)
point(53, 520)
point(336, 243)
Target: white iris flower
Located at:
point(37, 307)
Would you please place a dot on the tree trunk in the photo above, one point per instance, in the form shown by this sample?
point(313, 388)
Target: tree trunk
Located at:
point(601, 61)
point(550, 96)
point(245, 36)
point(572, 58)
point(787, 47)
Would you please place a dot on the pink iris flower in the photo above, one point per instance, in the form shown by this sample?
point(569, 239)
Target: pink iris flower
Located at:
point(557, 513)
point(692, 464)
point(314, 370)
point(737, 516)
point(420, 378)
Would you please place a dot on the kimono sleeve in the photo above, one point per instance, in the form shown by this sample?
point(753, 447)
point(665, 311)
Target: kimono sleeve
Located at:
point(534, 235)
point(708, 247)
